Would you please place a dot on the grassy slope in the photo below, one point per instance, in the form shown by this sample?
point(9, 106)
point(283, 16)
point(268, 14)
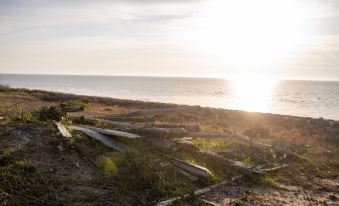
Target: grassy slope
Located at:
point(36, 172)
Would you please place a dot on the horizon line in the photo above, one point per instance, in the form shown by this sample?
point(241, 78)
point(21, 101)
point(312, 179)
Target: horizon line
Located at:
point(156, 76)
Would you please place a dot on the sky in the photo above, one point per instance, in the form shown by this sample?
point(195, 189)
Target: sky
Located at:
point(289, 39)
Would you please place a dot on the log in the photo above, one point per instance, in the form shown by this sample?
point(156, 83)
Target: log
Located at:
point(63, 131)
point(209, 202)
point(197, 192)
point(191, 168)
point(109, 142)
point(114, 132)
point(189, 176)
point(73, 108)
point(153, 112)
point(189, 127)
point(275, 168)
point(186, 145)
point(236, 165)
point(143, 129)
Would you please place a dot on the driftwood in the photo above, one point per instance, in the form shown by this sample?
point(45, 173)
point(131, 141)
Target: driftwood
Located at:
point(109, 142)
point(186, 145)
point(63, 131)
point(143, 129)
point(191, 168)
point(72, 108)
point(209, 202)
point(153, 112)
point(188, 127)
point(187, 175)
point(197, 192)
point(114, 132)
point(236, 166)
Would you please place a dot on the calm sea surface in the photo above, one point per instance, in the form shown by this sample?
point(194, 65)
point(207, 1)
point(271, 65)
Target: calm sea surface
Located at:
point(302, 98)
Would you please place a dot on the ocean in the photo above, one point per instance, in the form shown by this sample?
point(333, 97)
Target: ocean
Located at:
point(301, 98)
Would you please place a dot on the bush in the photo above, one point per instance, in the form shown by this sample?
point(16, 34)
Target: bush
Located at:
point(51, 113)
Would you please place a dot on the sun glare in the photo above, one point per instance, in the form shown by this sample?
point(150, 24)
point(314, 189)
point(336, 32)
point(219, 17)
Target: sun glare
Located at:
point(250, 35)
point(252, 94)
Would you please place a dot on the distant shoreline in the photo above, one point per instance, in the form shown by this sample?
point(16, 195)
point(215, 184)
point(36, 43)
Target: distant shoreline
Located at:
point(64, 96)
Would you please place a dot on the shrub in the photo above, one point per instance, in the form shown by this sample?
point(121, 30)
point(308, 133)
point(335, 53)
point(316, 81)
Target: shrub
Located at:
point(51, 113)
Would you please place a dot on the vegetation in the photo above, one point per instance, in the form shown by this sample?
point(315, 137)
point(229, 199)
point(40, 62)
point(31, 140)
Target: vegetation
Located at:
point(33, 171)
point(51, 113)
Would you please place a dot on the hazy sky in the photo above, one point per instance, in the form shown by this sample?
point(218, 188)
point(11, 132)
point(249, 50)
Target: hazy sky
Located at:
point(207, 38)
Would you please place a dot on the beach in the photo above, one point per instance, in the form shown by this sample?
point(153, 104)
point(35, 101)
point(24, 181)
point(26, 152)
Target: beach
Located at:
point(303, 153)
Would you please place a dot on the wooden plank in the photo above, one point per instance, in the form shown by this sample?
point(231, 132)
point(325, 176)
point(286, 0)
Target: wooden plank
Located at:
point(109, 142)
point(114, 132)
point(191, 168)
point(63, 131)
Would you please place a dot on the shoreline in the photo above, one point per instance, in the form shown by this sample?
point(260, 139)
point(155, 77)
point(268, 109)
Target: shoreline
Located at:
point(167, 103)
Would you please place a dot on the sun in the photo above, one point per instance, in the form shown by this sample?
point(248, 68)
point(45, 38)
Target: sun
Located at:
point(248, 35)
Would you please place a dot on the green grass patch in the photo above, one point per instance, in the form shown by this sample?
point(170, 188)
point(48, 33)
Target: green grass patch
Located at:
point(269, 181)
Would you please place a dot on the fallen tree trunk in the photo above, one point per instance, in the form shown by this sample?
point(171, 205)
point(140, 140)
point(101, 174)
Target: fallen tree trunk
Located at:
point(109, 142)
point(189, 127)
point(189, 176)
point(209, 202)
point(63, 131)
point(236, 166)
point(191, 168)
point(114, 132)
point(153, 112)
point(197, 192)
point(143, 129)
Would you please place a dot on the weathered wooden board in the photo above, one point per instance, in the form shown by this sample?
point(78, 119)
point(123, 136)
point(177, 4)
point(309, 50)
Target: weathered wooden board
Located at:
point(63, 131)
point(109, 142)
point(114, 132)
